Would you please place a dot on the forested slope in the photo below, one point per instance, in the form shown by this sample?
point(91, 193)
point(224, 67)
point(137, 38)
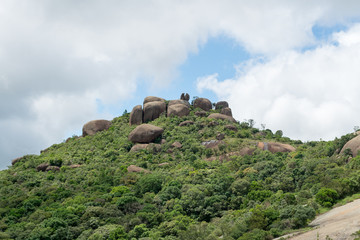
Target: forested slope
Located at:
point(190, 191)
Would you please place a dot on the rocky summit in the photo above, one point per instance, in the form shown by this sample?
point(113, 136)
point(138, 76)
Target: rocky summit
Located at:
point(176, 169)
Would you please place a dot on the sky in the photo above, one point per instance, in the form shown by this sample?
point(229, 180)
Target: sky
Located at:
point(289, 65)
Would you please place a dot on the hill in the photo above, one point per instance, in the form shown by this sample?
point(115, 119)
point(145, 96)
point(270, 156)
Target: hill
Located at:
point(205, 176)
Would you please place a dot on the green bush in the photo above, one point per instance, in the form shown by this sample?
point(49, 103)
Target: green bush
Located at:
point(326, 197)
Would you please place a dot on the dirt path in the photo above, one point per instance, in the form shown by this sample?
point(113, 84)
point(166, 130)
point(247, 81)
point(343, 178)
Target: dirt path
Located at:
point(339, 223)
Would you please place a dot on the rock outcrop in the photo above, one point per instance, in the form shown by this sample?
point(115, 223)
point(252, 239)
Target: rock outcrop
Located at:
point(275, 147)
point(231, 127)
point(136, 115)
point(221, 105)
point(151, 147)
point(133, 168)
point(52, 168)
point(200, 113)
point(152, 110)
point(353, 145)
point(179, 110)
point(203, 103)
point(95, 126)
point(226, 111)
point(145, 133)
point(153, 99)
point(176, 145)
point(221, 117)
point(186, 123)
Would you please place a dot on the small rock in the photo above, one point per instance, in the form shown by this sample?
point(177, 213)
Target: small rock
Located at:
point(42, 167)
point(16, 160)
point(133, 168)
point(203, 103)
point(221, 105)
point(200, 114)
point(52, 168)
point(138, 147)
point(221, 117)
point(186, 123)
point(75, 166)
point(163, 141)
point(231, 127)
point(95, 126)
point(212, 143)
point(163, 164)
point(136, 115)
point(176, 145)
point(220, 136)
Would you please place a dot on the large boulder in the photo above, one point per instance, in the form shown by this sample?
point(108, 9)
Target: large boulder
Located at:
point(95, 126)
point(186, 123)
point(221, 117)
point(179, 110)
point(152, 110)
point(178, 101)
point(42, 167)
point(221, 105)
point(153, 99)
point(275, 147)
point(226, 111)
point(353, 145)
point(203, 103)
point(136, 115)
point(145, 133)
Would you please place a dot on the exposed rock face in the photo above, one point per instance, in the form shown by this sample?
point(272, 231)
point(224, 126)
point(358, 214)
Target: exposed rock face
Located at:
point(151, 147)
point(200, 113)
point(203, 103)
point(353, 145)
point(152, 110)
point(221, 105)
point(145, 133)
point(221, 116)
point(176, 145)
point(42, 167)
point(179, 110)
point(75, 166)
point(95, 126)
point(133, 168)
point(153, 99)
point(226, 111)
point(178, 101)
point(231, 127)
point(212, 143)
point(136, 115)
point(16, 160)
point(186, 123)
point(52, 168)
point(275, 147)
point(185, 96)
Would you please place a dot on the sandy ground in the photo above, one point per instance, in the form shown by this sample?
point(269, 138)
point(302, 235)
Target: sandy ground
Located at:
point(339, 223)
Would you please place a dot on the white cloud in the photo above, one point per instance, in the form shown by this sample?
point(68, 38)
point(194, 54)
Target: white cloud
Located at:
point(58, 57)
point(310, 95)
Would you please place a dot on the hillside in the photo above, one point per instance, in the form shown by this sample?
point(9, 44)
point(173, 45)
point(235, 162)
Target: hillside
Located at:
point(201, 177)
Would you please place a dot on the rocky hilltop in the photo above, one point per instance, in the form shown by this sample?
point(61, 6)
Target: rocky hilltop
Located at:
point(174, 169)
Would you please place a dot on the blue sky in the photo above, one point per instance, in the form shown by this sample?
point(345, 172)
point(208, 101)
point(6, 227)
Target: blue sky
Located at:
point(61, 67)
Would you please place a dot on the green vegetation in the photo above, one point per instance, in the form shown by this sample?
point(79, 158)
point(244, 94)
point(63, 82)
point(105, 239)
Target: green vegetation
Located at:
point(257, 196)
